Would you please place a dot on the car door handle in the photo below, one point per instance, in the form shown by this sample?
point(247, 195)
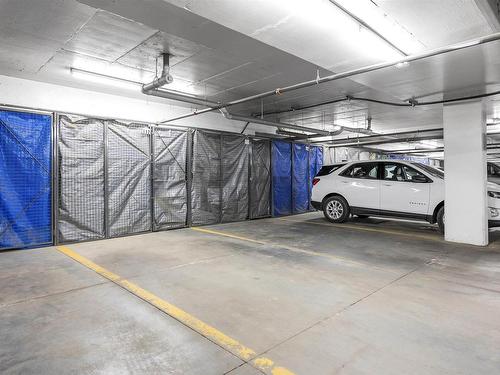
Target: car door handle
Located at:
point(345, 182)
point(387, 184)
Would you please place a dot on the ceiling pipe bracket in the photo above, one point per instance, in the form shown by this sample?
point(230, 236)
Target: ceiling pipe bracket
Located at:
point(165, 77)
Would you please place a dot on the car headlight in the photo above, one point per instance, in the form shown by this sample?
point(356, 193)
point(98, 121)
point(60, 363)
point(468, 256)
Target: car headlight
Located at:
point(493, 212)
point(494, 194)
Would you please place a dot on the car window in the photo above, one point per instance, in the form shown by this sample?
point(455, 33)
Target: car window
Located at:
point(493, 170)
point(402, 172)
point(393, 172)
point(431, 170)
point(362, 170)
point(412, 175)
point(327, 169)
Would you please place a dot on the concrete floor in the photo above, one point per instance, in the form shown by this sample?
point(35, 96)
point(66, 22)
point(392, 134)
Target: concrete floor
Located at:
point(369, 297)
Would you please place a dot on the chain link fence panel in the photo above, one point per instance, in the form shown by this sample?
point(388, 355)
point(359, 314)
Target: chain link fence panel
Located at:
point(234, 178)
point(81, 179)
point(206, 188)
point(169, 178)
point(25, 179)
point(128, 178)
point(260, 179)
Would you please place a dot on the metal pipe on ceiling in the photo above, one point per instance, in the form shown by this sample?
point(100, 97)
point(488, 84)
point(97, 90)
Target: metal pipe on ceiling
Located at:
point(314, 131)
point(259, 121)
point(164, 78)
point(492, 146)
point(415, 150)
point(356, 140)
point(396, 140)
point(349, 73)
point(270, 135)
point(179, 97)
point(153, 88)
point(294, 135)
point(361, 140)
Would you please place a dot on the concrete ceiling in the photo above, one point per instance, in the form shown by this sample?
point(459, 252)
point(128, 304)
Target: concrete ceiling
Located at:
point(228, 49)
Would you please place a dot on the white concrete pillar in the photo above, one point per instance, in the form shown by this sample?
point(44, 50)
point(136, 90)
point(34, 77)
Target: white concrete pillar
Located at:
point(466, 215)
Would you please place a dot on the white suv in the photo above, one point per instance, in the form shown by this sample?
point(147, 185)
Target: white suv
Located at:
point(387, 188)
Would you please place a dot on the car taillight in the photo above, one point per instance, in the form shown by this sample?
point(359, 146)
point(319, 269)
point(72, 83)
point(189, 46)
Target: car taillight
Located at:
point(315, 181)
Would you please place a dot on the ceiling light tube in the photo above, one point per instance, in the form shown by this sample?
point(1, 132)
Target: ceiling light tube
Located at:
point(104, 79)
point(371, 16)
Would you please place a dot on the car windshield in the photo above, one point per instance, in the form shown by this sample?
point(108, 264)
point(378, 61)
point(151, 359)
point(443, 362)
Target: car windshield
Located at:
point(327, 169)
point(431, 170)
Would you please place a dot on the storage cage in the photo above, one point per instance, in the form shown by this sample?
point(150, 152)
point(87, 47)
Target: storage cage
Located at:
point(70, 178)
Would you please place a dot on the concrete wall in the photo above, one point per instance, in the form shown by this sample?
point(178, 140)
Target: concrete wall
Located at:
point(45, 96)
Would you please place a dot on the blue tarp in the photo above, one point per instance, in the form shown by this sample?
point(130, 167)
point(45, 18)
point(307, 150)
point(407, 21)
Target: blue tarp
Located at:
point(25, 175)
point(300, 190)
point(319, 159)
point(282, 177)
point(315, 164)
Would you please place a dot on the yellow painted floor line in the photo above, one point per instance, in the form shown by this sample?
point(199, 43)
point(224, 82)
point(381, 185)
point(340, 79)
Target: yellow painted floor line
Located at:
point(244, 353)
point(230, 235)
point(368, 229)
point(290, 248)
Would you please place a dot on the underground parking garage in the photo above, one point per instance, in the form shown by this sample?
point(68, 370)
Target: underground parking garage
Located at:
point(249, 187)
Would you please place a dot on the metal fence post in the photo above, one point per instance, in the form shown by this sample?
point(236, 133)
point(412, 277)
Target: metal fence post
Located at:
point(221, 176)
point(55, 177)
point(271, 196)
point(308, 177)
point(106, 188)
point(151, 177)
point(292, 200)
point(250, 176)
point(189, 176)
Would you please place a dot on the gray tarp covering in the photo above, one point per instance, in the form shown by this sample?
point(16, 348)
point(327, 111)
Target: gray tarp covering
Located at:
point(129, 184)
point(234, 178)
point(344, 154)
point(169, 178)
point(81, 179)
point(260, 180)
point(220, 178)
point(329, 156)
point(206, 185)
point(364, 155)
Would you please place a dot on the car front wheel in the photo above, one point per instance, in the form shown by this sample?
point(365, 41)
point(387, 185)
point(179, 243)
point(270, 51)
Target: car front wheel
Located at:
point(336, 210)
point(440, 220)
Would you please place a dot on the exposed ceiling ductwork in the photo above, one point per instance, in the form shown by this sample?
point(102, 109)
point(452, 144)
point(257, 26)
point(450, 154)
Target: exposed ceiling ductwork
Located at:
point(154, 88)
point(350, 73)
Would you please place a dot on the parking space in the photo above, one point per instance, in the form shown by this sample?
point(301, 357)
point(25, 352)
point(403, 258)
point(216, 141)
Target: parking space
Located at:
point(291, 293)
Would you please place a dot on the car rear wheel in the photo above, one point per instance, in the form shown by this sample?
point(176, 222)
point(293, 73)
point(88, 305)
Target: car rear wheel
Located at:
point(336, 210)
point(440, 220)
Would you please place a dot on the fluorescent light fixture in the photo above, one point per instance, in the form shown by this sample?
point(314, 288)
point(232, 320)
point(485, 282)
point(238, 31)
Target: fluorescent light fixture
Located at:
point(402, 65)
point(104, 79)
point(322, 17)
point(372, 15)
point(430, 144)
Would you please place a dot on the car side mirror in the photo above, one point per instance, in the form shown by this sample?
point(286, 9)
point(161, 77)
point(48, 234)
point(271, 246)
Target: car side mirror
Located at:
point(419, 178)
